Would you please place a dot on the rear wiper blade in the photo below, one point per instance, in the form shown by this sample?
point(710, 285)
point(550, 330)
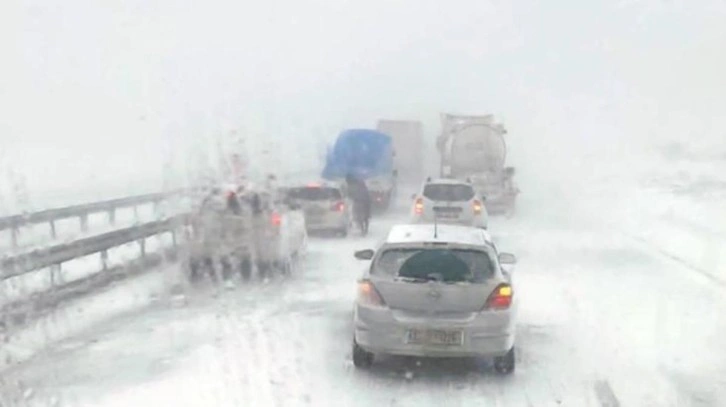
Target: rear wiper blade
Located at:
point(412, 279)
point(458, 282)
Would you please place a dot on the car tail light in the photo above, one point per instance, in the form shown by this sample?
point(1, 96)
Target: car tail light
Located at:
point(276, 219)
point(368, 295)
point(477, 207)
point(501, 297)
point(338, 206)
point(418, 207)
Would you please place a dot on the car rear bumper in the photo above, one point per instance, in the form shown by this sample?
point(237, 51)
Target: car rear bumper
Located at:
point(488, 334)
point(327, 222)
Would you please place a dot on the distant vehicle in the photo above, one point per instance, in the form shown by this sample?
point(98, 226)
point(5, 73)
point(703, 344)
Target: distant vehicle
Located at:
point(408, 147)
point(238, 231)
point(367, 155)
point(325, 206)
point(435, 291)
point(473, 147)
point(449, 201)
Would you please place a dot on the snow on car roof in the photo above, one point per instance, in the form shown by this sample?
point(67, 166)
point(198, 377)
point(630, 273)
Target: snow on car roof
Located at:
point(445, 233)
point(447, 181)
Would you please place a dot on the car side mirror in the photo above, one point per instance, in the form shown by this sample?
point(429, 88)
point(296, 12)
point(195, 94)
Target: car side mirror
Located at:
point(364, 254)
point(509, 171)
point(507, 258)
point(413, 196)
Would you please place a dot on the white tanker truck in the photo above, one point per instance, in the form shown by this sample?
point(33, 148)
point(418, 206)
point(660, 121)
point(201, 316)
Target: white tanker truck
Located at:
point(473, 148)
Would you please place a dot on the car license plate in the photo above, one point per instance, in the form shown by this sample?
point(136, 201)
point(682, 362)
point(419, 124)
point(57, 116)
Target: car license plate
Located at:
point(434, 337)
point(316, 210)
point(447, 215)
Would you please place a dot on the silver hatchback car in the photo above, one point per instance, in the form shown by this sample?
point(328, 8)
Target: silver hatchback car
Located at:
point(436, 291)
point(449, 201)
point(325, 205)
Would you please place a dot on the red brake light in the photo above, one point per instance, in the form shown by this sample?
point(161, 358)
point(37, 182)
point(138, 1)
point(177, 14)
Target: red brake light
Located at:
point(368, 295)
point(501, 297)
point(313, 185)
point(276, 219)
point(477, 207)
point(418, 207)
point(338, 206)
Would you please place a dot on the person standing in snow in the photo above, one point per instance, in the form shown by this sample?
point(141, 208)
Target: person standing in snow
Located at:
point(358, 192)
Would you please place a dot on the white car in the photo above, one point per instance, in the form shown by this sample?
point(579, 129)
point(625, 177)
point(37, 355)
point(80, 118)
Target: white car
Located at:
point(234, 230)
point(449, 201)
point(435, 291)
point(325, 206)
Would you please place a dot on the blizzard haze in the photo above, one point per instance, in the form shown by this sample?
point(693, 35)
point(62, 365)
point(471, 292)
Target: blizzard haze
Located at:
point(89, 88)
point(615, 119)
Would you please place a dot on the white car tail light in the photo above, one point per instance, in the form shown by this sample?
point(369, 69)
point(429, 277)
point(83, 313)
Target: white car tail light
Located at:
point(477, 207)
point(338, 206)
point(418, 207)
point(500, 298)
point(368, 295)
point(276, 219)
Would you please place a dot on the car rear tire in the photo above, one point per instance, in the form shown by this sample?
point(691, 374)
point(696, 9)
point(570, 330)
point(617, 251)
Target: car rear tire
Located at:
point(286, 266)
point(264, 269)
point(505, 365)
point(362, 359)
point(343, 232)
point(245, 269)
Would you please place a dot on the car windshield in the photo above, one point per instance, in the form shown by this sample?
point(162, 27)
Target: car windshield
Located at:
point(314, 193)
point(445, 265)
point(448, 192)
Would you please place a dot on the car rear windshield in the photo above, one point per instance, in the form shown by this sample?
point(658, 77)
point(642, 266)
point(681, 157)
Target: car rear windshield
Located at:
point(445, 265)
point(448, 192)
point(314, 193)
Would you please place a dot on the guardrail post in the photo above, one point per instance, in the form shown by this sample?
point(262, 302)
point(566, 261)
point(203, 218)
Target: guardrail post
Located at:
point(142, 247)
point(84, 223)
point(55, 275)
point(136, 213)
point(52, 230)
point(14, 234)
point(104, 260)
point(112, 216)
point(173, 238)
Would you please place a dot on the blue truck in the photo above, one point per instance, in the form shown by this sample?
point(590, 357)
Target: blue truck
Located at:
point(368, 155)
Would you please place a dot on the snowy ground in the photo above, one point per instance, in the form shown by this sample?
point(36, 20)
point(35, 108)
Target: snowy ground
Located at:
point(608, 317)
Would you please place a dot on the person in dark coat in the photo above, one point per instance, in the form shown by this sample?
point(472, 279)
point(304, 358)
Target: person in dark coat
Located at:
point(358, 192)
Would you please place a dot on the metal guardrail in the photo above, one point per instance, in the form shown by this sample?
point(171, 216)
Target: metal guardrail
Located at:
point(15, 222)
point(15, 265)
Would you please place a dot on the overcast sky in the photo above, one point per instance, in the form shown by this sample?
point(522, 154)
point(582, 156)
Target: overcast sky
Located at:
point(96, 91)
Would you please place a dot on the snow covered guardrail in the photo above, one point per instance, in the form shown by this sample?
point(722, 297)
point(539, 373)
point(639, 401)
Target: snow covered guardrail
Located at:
point(16, 265)
point(35, 281)
point(82, 211)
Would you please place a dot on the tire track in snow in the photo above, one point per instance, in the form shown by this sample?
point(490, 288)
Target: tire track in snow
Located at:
point(642, 242)
point(605, 394)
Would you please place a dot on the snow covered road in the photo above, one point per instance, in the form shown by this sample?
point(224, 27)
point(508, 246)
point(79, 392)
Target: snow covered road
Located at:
point(604, 321)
